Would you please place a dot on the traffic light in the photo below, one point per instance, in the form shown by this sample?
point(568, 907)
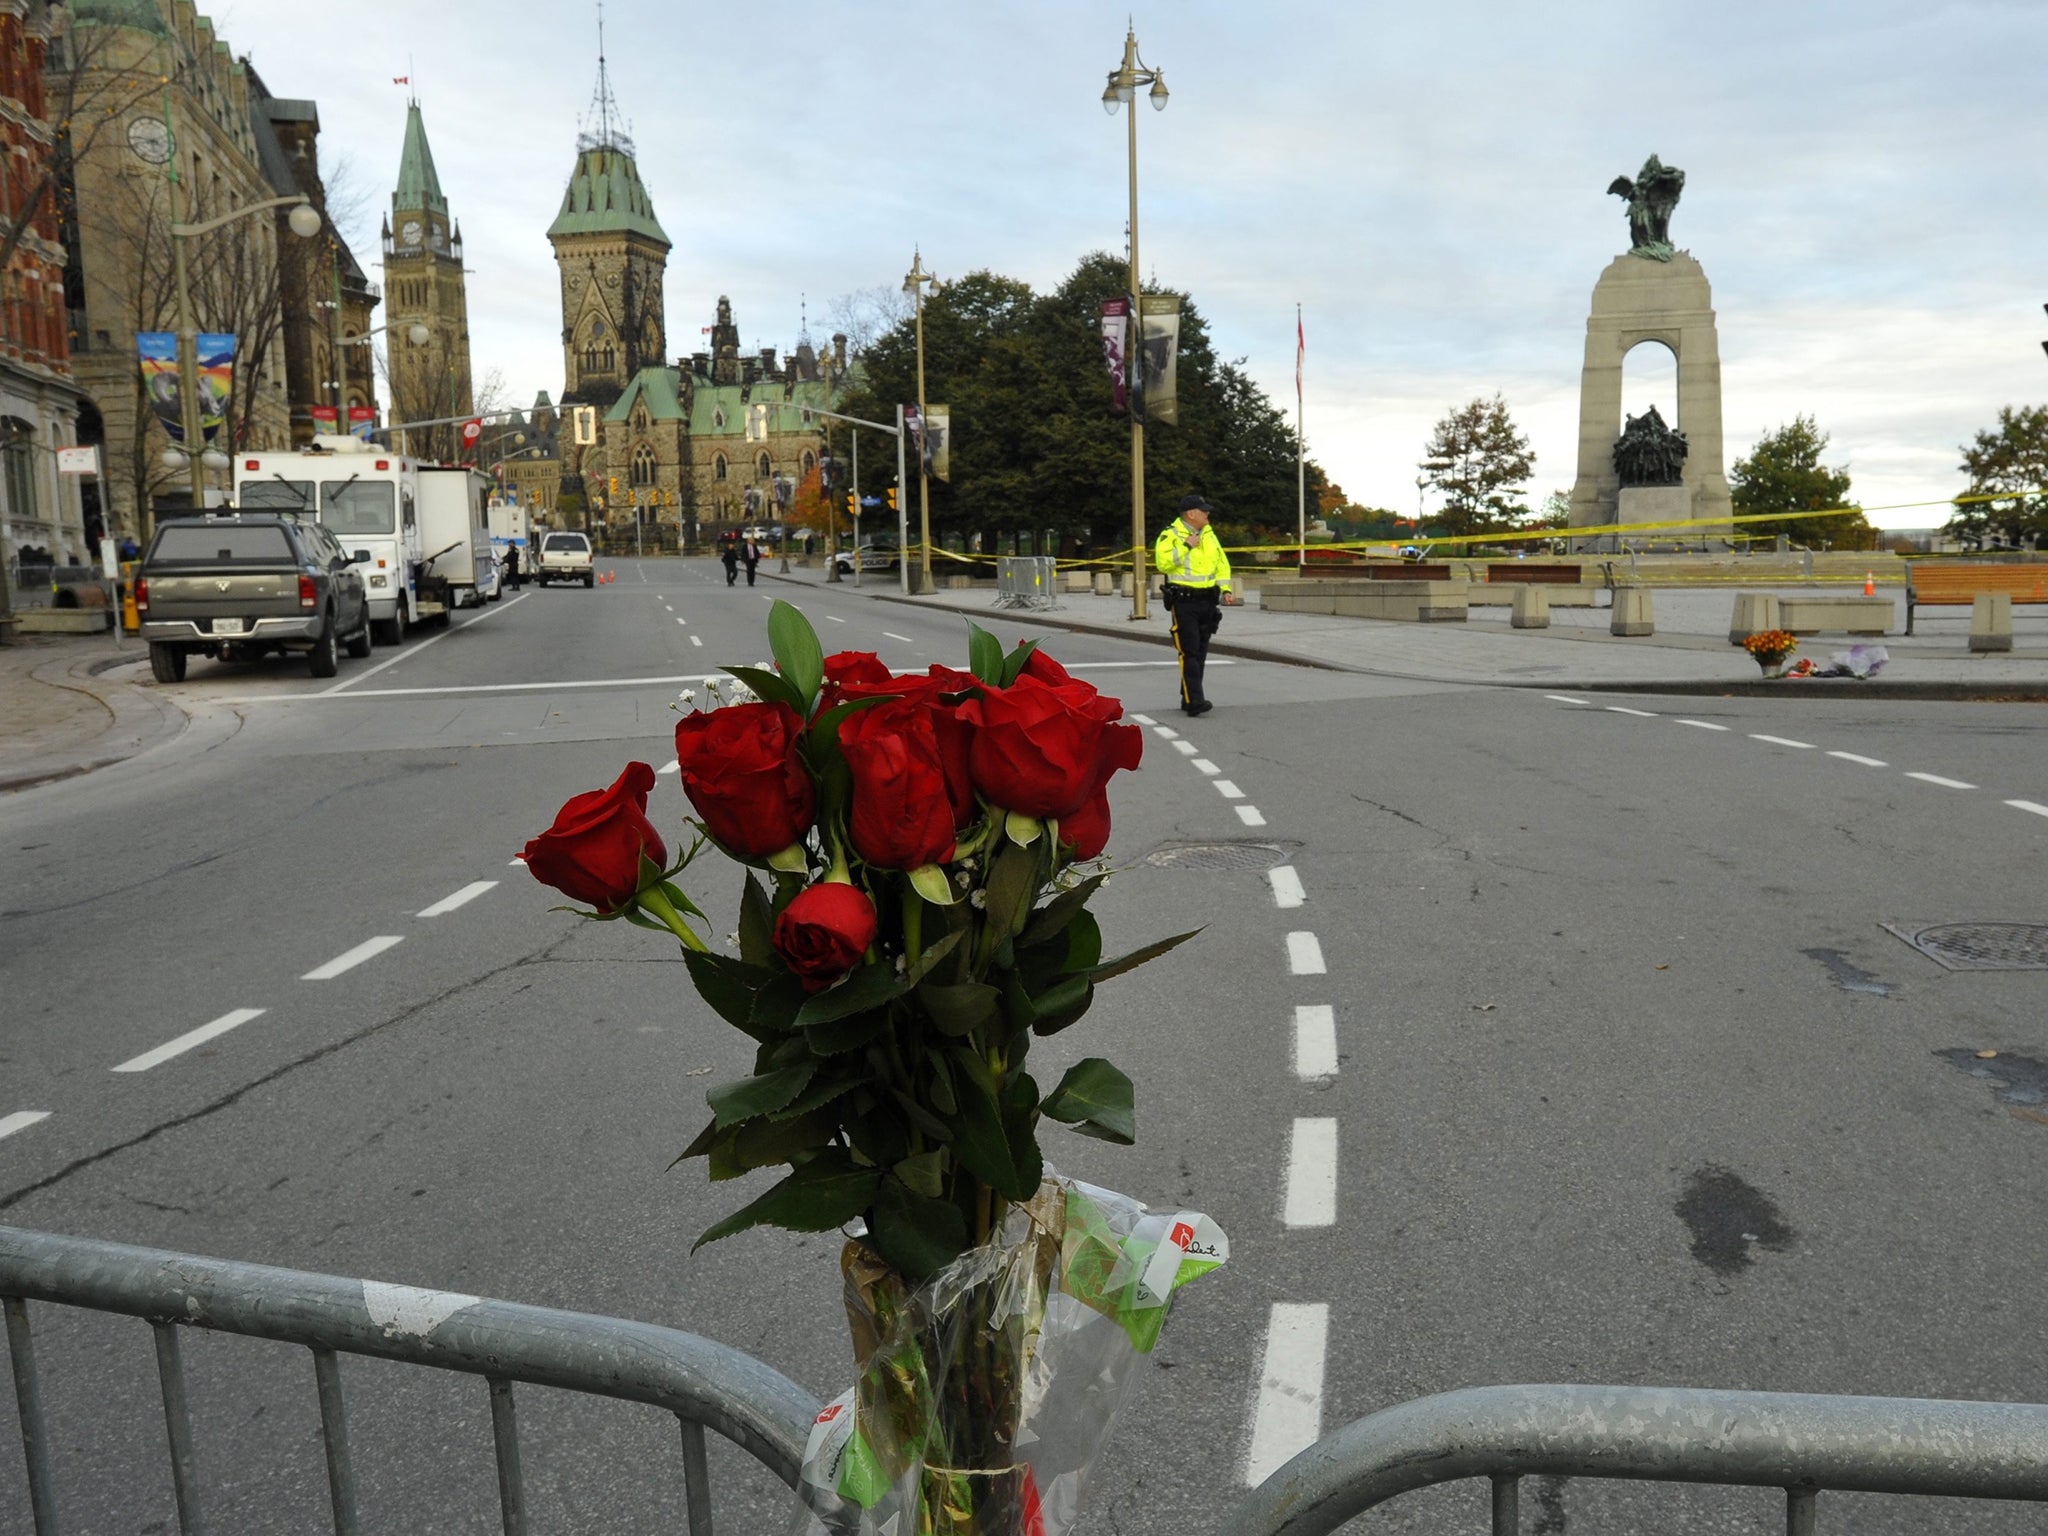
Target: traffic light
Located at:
point(892, 498)
point(615, 485)
point(852, 505)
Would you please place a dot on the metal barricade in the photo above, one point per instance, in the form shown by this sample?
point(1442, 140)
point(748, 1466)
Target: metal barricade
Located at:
point(705, 1385)
point(1026, 581)
point(44, 584)
point(1806, 1445)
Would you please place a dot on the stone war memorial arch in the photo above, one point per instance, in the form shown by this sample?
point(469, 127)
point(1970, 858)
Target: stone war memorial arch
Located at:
point(1645, 470)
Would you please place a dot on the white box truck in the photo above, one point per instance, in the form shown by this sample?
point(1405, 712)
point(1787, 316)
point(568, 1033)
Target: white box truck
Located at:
point(457, 565)
point(511, 539)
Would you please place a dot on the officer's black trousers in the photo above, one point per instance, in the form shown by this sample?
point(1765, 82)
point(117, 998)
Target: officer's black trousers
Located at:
point(1196, 614)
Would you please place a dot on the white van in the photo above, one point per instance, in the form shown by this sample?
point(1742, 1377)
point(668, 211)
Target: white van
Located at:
point(458, 565)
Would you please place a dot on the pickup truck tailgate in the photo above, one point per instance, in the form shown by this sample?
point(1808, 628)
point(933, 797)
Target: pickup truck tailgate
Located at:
point(236, 596)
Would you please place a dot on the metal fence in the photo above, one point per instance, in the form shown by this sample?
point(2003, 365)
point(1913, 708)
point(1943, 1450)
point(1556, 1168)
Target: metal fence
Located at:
point(1806, 1445)
point(705, 1385)
point(1026, 581)
point(43, 584)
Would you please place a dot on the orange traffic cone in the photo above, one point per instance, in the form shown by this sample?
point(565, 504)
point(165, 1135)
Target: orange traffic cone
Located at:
point(1869, 584)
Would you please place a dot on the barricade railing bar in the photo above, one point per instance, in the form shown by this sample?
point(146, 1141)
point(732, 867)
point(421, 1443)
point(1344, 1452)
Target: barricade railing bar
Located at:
point(1804, 1444)
point(704, 1384)
point(1026, 581)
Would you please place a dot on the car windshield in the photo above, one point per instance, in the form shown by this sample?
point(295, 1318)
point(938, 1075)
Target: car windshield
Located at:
point(574, 541)
point(222, 542)
point(292, 495)
point(357, 506)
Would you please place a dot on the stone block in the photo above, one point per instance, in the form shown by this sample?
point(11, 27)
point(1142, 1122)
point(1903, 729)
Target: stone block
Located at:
point(1633, 613)
point(95, 621)
point(1105, 584)
point(1811, 615)
point(1081, 581)
point(1532, 608)
point(1755, 612)
point(957, 583)
point(1991, 622)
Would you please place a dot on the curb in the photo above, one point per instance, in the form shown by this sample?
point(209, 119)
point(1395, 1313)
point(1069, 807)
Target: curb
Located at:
point(141, 722)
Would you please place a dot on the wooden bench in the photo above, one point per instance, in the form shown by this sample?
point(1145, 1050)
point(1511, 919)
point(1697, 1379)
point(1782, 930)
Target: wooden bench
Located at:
point(1957, 583)
point(1530, 573)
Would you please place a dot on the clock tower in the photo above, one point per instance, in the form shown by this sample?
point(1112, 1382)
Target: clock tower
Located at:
point(423, 286)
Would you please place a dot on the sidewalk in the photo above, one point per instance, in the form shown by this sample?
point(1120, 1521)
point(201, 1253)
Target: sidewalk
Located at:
point(59, 717)
point(1689, 653)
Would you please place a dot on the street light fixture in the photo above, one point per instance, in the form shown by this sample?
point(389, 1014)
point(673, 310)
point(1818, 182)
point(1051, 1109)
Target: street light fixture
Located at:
point(914, 284)
point(1121, 91)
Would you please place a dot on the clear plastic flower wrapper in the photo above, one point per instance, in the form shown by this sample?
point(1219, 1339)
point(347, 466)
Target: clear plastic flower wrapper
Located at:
point(984, 1396)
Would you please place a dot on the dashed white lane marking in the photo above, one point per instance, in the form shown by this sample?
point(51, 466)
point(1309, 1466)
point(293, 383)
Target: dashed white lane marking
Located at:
point(682, 621)
point(1315, 1040)
point(1166, 733)
point(1305, 955)
point(2028, 805)
point(1203, 765)
point(1703, 725)
point(1288, 1416)
point(1856, 757)
point(21, 1120)
point(189, 1039)
point(1783, 741)
point(1226, 789)
point(668, 768)
point(1935, 778)
point(1565, 698)
point(1311, 1199)
point(835, 618)
point(1136, 719)
point(1286, 881)
point(459, 898)
point(1640, 714)
point(892, 635)
point(369, 949)
point(1186, 748)
point(696, 640)
point(515, 863)
point(1249, 815)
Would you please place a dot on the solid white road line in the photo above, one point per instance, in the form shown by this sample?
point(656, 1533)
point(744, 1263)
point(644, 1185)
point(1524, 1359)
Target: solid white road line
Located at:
point(1226, 789)
point(1640, 714)
point(1305, 955)
point(892, 635)
point(1249, 815)
point(1315, 1040)
point(1143, 720)
point(1935, 778)
point(668, 767)
point(1703, 725)
point(21, 1120)
point(1286, 882)
point(1565, 698)
point(417, 646)
point(516, 862)
point(2028, 805)
point(1203, 765)
point(1854, 757)
point(186, 1041)
point(835, 618)
point(1311, 1199)
point(1166, 733)
point(406, 693)
point(460, 898)
point(1783, 741)
point(369, 949)
point(1287, 1418)
point(1186, 748)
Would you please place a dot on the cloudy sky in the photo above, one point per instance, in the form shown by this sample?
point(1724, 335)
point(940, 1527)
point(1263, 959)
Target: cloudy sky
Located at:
point(1427, 182)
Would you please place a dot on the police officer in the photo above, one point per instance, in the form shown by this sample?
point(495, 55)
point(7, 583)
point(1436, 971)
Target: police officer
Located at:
point(1197, 582)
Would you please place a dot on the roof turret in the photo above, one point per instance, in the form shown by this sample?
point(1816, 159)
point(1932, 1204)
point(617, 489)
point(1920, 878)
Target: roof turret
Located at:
point(418, 184)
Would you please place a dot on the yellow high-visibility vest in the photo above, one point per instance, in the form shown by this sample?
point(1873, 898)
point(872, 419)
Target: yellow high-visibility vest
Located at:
point(1203, 565)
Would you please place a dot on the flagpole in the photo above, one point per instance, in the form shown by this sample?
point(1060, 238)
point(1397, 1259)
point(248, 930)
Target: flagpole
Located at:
point(1300, 453)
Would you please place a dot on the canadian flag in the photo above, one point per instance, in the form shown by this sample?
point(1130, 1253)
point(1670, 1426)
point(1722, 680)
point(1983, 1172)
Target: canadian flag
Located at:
point(401, 79)
point(471, 431)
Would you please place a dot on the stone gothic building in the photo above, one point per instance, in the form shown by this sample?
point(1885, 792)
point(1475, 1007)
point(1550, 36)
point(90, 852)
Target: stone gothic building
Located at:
point(424, 286)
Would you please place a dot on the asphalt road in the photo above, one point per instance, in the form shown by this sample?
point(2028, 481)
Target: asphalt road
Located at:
point(1564, 1042)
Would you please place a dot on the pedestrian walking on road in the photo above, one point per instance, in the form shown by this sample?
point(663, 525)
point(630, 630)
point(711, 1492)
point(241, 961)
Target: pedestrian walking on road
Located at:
point(751, 553)
point(729, 555)
point(1197, 583)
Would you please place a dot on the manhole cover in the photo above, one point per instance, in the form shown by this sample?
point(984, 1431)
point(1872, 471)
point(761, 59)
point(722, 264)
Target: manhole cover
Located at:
point(1218, 856)
point(1980, 946)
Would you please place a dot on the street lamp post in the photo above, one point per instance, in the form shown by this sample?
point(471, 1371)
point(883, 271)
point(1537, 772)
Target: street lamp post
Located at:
point(914, 284)
point(1121, 91)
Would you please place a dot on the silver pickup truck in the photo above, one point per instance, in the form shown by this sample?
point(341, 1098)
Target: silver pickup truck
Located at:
point(235, 585)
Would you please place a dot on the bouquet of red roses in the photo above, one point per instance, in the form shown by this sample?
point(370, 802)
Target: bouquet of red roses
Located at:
point(913, 918)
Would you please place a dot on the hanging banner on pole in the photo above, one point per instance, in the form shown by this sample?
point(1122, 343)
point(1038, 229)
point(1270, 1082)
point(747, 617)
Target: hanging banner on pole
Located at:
point(158, 351)
point(1116, 329)
point(326, 418)
point(361, 420)
point(1161, 357)
point(216, 380)
point(938, 441)
point(914, 424)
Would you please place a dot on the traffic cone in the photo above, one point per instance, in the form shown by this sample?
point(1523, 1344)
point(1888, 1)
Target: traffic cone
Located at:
point(1869, 584)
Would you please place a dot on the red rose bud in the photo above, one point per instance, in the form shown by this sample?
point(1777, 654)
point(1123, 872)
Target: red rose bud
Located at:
point(823, 933)
point(1035, 745)
point(744, 775)
point(1087, 829)
point(902, 817)
point(856, 667)
point(592, 853)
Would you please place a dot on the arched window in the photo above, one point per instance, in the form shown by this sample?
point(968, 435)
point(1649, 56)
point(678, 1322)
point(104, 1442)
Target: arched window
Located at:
point(643, 465)
point(718, 467)
point(17, 472)
point(590, 358)
point(763, 467)
point(610, 360)
point(810, 461)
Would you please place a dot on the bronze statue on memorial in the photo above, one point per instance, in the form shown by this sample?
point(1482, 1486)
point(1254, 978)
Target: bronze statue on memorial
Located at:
point(1649, 453)
point(1651, 197)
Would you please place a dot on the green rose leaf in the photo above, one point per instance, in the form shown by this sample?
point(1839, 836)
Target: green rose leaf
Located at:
point(1060, 911)
point(1096, 1100)
point(880, 1137)
point(835, 1037)
point(826, 1192)
point(729, 987)
point(925, 1174)
point(751, 1096)
point(1138, 957)
point(1062, 1005)
point(870, 986)
point(1084, 943)
point(797, 652)
point(958, 1009)
point(764, 1143)
point(771, 687)
point(985, 656)
point(916, 1233)
point(930, 882)
point(757, 924)
point(776, 1006)
point(1013, 664)
point(1012, 883)
point(982, 1144)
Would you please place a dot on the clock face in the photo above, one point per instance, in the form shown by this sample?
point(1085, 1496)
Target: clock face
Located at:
point(412, 232)
point(150, 140)
point(440, 237)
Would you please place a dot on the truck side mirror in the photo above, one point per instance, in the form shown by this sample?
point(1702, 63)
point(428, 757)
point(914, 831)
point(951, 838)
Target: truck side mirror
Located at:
point(360, 557)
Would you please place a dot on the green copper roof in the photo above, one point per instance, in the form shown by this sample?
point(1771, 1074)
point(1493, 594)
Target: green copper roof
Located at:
point(418, 186)
point(606, 196)
point(143, 15)
point(708, 402)
point(657, 389)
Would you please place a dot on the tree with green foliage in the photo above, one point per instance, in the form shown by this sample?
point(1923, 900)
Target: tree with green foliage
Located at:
point(1783, 473)
point(1479, 462)
point(2004, 465)
point(1035, 444)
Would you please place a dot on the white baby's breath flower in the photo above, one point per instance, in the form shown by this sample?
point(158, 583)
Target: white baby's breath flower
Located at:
point(732, 940)
point(978, 900)
point(902, 964)
point(688, 695)
point(963, 879)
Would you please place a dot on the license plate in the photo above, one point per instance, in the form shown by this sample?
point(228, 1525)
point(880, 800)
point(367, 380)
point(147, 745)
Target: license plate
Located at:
point(230, 627)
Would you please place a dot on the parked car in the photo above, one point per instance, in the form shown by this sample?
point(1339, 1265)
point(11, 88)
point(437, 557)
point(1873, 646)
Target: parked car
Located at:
point(877, 554)
point(236, 585)
point(566, 557)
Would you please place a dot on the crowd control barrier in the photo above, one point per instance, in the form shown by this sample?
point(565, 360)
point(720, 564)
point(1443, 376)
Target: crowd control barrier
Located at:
point(1026, 581)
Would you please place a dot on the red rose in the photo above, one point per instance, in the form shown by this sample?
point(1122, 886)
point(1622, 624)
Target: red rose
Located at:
point(743, 773)
point(901, 815)
point(1088, 828)
point(853, 675)
point(1035, 745)
point(592, 853)
point(823, 933)
point(948, 692)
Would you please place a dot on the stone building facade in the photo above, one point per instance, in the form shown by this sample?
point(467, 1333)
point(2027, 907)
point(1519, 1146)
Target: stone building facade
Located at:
point(424, 286)
point(41, 512)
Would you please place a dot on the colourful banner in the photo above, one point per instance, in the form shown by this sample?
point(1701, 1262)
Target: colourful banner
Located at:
point(216, 380)
point(325, 417)
point(1116, 324)
point(1160, 350)
point(158, 351)
point(938, 441)
point(361, 420)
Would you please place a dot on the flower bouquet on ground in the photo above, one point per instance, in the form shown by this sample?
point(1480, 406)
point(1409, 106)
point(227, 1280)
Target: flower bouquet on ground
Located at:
point(1770, 647)
point(913, 918)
